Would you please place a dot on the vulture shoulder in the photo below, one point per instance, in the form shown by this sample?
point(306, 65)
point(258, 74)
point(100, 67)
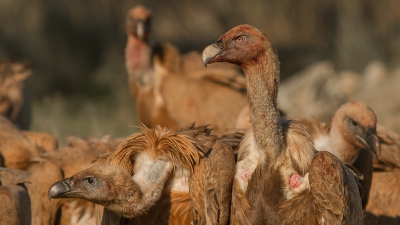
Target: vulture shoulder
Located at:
point(389, 157)
point(319, 132)
point(332, 198)
point(17, 209)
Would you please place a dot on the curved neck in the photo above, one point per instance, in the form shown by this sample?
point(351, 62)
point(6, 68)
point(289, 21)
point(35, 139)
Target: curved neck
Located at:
point(339, 146)
point(262, 90)
point(138, 60)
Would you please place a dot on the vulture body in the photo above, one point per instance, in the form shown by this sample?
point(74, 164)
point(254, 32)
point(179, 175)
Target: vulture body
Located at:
point(44, 142)
point(15, 208)
point(16, 148)
point(173, 90)
point(279, 177)
point(352, 137)
point(43, 174)
point(383, 205)
point(160, 176)
point(79, 154)
point(14, 96)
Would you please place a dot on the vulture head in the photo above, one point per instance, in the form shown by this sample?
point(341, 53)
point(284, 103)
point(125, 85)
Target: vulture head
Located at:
point(138, 172)
point(138, 23)
point(243, 45)
point(357, 123)
point(103, 184)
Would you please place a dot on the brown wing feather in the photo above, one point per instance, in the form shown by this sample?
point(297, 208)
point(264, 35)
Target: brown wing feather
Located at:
point(240, 210)
point(201, 135)
point(219, 176)
point(196, 193)
point(384, 203)
point(333, 197)
point(390, 150)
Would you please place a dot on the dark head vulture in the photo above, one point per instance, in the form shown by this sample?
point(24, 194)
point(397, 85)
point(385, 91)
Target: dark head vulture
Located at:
point(150, 174)
point(103, 184)
point(138, 22)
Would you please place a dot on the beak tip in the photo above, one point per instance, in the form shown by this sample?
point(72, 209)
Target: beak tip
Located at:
point(57, 189)
point(209, 53)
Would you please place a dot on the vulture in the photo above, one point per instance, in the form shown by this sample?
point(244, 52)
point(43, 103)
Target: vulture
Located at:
point(389, 158)
point(279, 177)
point(173, 90)
point(352, 137)
point(383, 205)
point(78, 155)
point(15, 208)
point(43, 174)
point(44, 142)
point(14, 96)
point(18, 147)
point(160, 176)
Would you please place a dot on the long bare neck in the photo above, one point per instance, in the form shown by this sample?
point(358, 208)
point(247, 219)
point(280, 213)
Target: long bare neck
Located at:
point(344, 150)
point(262, 90)
point(138, 56)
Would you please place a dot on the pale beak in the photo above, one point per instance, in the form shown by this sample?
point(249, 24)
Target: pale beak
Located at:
point(210, 53)
point(140, 28)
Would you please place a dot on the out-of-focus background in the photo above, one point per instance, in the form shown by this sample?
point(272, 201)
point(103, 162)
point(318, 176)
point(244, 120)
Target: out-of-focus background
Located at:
point(76, 48)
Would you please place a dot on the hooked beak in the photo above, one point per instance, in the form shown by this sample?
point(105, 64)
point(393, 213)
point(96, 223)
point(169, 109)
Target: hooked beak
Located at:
point(60, 189)
point(371, 142)
point(210, 54)
point(140, 29)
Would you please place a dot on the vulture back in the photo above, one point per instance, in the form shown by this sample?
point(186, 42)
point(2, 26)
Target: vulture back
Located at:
point(16, 205)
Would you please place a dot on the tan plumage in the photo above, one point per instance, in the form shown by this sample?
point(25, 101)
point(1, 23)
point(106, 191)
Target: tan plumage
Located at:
point(16, 149)
point(352, 137)
point(44, 142)
point(156, 177)
point(173, 90)
point(278, 167)
point(383, 206)
point(43, 174)
point(389, 159)
point(78, 155)
point(14, 97)
point(15, 208)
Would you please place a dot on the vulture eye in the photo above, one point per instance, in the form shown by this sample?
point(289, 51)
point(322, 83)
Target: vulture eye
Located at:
point(354, 123)
point(240, 39)
point(91, 180)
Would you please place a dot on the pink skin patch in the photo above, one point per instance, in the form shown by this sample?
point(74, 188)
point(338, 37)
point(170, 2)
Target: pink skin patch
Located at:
point(245, 176)
point(295, 181)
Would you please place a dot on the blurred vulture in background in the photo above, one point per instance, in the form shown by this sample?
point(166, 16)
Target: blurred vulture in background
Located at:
point(14, 96)
point(384, 203)
point(15, 207)
point(174, 90)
